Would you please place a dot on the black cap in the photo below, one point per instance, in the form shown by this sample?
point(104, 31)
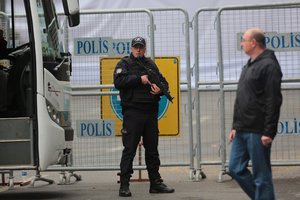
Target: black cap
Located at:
point(138, 40)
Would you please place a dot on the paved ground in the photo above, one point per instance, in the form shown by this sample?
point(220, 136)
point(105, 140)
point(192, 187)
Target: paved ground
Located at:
point(103, 186)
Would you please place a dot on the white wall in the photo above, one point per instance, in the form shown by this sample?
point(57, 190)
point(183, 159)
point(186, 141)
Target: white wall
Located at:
point(189, 5)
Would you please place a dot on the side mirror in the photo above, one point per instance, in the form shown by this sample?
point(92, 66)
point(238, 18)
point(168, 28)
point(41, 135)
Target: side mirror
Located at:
point(71, 9)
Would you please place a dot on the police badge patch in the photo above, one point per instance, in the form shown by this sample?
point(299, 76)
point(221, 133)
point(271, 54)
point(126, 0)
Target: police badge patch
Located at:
point(119, 70)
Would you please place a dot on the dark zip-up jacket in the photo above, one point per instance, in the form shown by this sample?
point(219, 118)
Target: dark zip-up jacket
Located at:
point(258, 100)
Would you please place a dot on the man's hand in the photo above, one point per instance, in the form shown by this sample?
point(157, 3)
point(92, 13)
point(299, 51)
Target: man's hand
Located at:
point(231, 135)
point(154, 89)
point(145, 80)
point(266, 141)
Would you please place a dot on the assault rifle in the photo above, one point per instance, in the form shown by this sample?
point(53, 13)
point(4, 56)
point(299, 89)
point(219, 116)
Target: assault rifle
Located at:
point(154, 78)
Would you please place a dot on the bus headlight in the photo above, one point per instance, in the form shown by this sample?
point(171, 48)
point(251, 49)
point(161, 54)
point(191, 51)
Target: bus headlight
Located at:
point(62, 118)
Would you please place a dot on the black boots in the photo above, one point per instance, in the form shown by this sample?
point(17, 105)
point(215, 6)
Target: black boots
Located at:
point(124, 191)
point(124, 187)
point(157, 186)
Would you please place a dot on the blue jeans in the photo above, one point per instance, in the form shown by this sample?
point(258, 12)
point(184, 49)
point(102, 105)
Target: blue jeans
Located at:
point(257, 185)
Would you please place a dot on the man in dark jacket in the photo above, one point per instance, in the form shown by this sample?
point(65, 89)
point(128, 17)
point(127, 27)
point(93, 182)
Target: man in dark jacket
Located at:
point(256, 114)
point(139, 101)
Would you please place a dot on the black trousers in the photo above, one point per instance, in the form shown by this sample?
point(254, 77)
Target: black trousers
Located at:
point(136, 124)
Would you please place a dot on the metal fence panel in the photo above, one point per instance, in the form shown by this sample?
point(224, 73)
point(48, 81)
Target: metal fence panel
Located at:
point(279, 20)
point(218, 63)
point(172, 39)
point(273, 19)
point(105, 153)
point(99, 152)
point(206, 95)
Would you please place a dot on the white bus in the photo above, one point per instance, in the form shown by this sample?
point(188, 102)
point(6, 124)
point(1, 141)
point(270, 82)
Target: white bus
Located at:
point(35, 128)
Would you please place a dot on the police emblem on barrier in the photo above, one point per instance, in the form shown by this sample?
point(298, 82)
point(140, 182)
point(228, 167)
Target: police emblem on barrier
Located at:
point(115, 103)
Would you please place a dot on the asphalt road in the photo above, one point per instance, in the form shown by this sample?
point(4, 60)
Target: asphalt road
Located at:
point(103, 185)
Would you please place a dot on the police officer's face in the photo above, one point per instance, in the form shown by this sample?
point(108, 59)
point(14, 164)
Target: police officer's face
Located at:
point(138, 50)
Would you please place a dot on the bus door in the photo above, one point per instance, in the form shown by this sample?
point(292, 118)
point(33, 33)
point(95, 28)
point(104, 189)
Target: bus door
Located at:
point(17, 110)
point(35, 128)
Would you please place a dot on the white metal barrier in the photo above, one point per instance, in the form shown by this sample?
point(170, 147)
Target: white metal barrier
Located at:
point(218, 61)
point(218, 72)
point(167, 35)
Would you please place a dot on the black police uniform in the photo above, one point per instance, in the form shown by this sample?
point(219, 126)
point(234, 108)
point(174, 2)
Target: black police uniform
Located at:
point(140, 112)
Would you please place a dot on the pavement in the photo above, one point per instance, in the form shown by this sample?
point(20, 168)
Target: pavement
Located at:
point(102, 185)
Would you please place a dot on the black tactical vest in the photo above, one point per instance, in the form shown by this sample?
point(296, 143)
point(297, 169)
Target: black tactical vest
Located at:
point(141, 93)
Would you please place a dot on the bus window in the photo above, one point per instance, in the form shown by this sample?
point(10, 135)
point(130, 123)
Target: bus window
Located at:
point(49, 26)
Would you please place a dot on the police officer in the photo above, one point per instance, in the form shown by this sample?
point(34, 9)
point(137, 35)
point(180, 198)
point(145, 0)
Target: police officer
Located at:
point(139, 101)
